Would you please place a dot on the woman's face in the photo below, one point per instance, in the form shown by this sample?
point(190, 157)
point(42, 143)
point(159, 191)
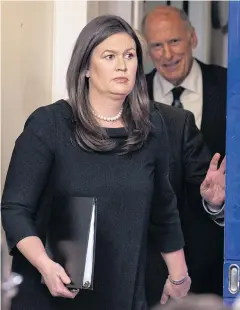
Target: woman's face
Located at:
point(113, 66)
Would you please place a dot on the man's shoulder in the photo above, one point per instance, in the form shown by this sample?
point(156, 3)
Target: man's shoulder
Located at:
point(170, 113)
point(149, 76)
point(214, 70)
point(177, 120)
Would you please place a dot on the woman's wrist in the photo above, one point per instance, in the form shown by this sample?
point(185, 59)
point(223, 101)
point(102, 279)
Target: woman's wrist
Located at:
point(176, 264)
point(43, 262)
point(178, 273)
point(178, 281)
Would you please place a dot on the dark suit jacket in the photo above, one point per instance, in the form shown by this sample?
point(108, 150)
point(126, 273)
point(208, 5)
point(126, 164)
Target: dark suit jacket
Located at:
point(204, 239)
point(213, 125)
point(189, 161)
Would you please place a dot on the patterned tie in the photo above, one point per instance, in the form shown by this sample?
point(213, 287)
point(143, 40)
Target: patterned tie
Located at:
point(177, 91)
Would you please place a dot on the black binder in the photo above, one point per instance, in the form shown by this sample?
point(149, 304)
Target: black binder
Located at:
point(69, 241)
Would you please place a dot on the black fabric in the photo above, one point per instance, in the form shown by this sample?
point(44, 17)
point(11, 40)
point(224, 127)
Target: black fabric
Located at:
point(204, 239)
point(46, 163)
point(177, 92)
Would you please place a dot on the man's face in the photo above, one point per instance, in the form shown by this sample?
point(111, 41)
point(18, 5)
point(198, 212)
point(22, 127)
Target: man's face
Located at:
point(170, 43)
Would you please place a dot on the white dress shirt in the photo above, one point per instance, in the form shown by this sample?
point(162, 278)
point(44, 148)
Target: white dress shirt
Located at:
point(191, 98)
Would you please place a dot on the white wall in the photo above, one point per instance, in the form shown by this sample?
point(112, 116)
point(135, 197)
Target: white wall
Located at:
point(200, 17)
point(26, 71)
point(117, 7)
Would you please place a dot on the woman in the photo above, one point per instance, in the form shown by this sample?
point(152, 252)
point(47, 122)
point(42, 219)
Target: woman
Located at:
point(105, 143)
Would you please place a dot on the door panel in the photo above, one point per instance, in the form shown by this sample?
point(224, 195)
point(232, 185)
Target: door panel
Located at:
point(232, 212)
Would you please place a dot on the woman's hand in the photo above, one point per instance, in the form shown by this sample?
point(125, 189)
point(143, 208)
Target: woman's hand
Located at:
point(175, 291)
point(55, 278)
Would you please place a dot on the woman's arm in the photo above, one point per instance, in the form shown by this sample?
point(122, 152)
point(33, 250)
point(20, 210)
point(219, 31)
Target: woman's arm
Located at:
point(165, 226)
point(26, 179)
point(176, 264)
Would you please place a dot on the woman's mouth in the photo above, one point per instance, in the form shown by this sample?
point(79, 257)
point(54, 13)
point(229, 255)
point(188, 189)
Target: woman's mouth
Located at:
point(121, 80)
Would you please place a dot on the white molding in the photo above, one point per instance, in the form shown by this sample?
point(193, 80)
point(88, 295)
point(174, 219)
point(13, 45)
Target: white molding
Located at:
point(69, 19)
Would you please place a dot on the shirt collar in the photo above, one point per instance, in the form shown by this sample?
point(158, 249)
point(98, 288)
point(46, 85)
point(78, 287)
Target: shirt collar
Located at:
point(192, 81)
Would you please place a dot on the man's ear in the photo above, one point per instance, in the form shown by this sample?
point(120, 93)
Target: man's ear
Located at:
point(194, 39)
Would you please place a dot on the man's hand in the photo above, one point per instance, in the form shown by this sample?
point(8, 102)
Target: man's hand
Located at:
point(213, 187)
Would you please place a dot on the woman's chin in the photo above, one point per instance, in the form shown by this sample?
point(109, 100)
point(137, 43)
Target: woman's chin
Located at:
point(121, 91)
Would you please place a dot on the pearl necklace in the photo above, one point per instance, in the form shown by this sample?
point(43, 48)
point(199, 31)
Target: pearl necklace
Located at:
point(109, 119)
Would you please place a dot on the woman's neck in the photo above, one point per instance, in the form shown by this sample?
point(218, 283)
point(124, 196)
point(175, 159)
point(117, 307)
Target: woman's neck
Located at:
point(108, 107)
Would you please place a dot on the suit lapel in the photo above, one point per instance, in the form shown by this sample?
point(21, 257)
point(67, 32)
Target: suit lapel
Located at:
point(149, 78)
point(209, 107)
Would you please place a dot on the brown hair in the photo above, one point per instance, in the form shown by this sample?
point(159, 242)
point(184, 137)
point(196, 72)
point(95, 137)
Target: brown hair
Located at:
point(88, 134)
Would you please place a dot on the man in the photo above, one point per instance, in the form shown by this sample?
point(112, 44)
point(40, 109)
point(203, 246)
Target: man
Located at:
point(190, 175)
point(170, 39)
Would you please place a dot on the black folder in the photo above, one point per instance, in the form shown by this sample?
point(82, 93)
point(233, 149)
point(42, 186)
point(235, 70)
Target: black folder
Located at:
point(71, 238)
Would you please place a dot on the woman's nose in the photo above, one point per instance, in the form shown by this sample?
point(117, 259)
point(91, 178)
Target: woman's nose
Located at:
point(121, 65)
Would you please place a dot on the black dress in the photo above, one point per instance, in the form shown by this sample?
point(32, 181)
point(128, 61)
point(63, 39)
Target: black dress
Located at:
point(46, 162)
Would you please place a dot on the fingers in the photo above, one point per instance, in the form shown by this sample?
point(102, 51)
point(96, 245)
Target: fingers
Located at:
point(214, 162)
point(63, 276)
point(164, 298)
point(64, 279)
point(74, 290)
point(165, 294)
point(175, 291)
point(222, 167)
point(62, 291)
point(56, 281)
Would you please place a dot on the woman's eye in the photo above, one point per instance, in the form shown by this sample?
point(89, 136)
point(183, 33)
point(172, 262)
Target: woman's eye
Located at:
point(109, 57)
point(130, 55)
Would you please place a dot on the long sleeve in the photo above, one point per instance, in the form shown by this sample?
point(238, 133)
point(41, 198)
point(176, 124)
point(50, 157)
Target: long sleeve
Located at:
point(216, 215)
point(196, 163)
point(196, 160)
point(196, 154)
point(165, 227)
point(27, 176)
